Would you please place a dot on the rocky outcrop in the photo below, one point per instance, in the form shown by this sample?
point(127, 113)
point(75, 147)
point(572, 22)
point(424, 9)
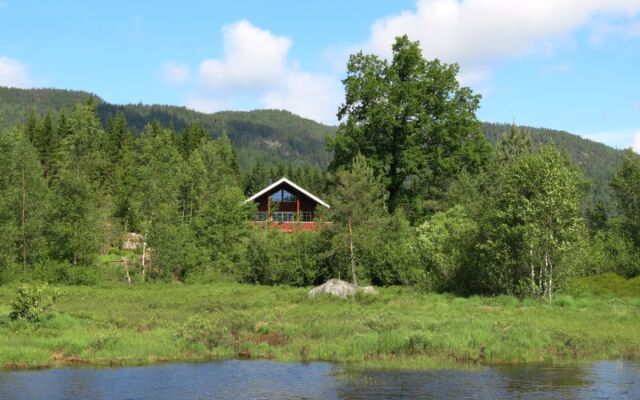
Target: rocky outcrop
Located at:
point(340, 288)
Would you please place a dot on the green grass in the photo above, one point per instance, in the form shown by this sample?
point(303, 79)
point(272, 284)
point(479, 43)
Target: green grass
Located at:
point(399, 328)
point(609, 285)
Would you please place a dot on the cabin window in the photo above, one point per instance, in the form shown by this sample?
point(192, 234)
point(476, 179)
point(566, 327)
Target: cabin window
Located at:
point(283, 216)
point(283, 196)
point(261, 216)
point(306, 216)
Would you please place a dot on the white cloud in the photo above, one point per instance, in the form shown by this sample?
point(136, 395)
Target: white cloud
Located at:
point(312, 95)
point(618, 139)
point(479, 33)
point(256, 65)
point(14, 73)
point(207, 104)
point(175, 74)
point(253, 59)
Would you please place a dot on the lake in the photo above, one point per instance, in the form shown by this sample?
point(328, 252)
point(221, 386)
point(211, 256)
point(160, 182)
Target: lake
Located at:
point(237, 379)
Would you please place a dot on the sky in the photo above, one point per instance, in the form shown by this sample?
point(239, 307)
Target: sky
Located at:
point(572, 65)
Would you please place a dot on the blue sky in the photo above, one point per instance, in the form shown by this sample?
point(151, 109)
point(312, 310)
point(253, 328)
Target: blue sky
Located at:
point(563, 64)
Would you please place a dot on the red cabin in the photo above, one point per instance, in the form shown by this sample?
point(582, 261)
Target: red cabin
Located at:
point(286, 206)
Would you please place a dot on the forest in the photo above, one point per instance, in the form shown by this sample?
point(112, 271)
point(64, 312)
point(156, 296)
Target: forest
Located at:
point(434, 199)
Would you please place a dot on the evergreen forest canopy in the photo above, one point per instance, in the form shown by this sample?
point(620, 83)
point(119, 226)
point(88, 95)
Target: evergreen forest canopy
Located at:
point(276, 136)
point(422, 193)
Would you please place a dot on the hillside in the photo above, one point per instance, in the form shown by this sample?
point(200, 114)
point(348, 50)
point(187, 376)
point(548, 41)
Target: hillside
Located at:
point(281, 135)
point(597, 161)
point(273, 134)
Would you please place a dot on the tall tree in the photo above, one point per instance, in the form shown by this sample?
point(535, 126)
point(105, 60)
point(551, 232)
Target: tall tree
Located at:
point(535, 219)
point(76, 233)
point(411, 120)
point(357, 206)
point(515, 143)
point(626, 190)
point(23, 200)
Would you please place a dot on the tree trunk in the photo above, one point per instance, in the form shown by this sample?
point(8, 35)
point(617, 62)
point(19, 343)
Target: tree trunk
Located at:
point(126, 269)
point(144, 255)
point(533, 271)
point(24, 229)
point(352, 255)
point(550, 278)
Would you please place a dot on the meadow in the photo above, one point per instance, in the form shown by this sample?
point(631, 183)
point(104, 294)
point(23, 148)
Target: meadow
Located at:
point(399, 328)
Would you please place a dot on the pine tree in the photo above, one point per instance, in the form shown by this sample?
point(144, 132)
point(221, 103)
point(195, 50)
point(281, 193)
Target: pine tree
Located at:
point(46, 142)
point(357, 206)
point(23, 200)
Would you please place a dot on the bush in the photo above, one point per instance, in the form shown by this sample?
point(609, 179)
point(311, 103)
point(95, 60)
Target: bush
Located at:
point(209, 333)
point(275, 257)
point(32, 302)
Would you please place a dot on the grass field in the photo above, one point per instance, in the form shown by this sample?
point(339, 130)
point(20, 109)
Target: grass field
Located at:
point(399, 328)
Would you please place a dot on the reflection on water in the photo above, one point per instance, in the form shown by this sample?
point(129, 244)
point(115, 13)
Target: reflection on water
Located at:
point(270, 380)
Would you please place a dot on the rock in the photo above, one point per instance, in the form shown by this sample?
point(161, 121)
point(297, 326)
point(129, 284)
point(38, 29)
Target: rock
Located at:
point(340, 288)
point(132, 241)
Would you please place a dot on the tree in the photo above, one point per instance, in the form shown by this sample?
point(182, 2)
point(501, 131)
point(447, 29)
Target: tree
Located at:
point(77, 216)
point(357, 205)
point(411, 120)
point(446, 243)
point(23, 200)
point(118, 138)
point(534, 219)
point(257, 176)
point(517, 142)
point(156, 198)
point(46, 142)
point(191, 138)
point(626, 191)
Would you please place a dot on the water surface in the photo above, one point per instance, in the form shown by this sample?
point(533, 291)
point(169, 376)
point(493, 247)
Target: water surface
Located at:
point(271, 380)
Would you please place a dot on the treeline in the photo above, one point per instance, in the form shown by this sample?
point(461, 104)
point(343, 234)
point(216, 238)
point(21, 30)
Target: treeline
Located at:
point(71, 191)
point(274, 135)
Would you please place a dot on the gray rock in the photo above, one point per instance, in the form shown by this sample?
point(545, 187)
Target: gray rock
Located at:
point(340, 288)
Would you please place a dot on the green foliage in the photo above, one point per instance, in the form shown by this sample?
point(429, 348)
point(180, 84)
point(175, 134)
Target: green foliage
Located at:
point(597, 161)
point(273, 257)
point(412, 121)
point(24, 201)
point(31, 302)
point(535, 220)
point(358, 208)
point(205, 332)
point(445, 243)
point(626, 190)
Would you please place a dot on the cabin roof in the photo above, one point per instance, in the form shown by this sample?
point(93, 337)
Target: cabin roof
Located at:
point(287, 181)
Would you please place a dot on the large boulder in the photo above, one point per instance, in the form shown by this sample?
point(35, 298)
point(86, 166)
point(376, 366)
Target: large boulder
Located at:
point(340, 288)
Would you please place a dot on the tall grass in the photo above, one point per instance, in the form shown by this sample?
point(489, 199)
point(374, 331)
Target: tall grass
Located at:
point(399, 328)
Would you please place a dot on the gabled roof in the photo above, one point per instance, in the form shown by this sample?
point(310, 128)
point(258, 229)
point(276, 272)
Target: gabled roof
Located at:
point(285, 180)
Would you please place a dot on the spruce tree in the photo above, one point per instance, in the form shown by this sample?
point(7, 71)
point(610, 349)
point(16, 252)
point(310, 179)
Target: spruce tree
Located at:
point(23, 200)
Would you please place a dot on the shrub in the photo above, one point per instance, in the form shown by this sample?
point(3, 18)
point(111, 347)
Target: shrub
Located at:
point(31, 302)
point(209, 333)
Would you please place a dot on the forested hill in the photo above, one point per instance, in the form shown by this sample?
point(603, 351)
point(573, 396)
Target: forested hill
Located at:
point(281, 135)
point(596, 160)
point(272, 134)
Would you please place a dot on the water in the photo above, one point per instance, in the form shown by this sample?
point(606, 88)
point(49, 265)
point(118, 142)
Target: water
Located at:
point(270, 380)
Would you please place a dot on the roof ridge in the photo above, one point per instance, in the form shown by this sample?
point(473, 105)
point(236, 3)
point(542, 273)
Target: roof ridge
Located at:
point(296, 186)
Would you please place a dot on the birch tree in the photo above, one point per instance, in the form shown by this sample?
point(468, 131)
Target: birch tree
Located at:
point(536, 218)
